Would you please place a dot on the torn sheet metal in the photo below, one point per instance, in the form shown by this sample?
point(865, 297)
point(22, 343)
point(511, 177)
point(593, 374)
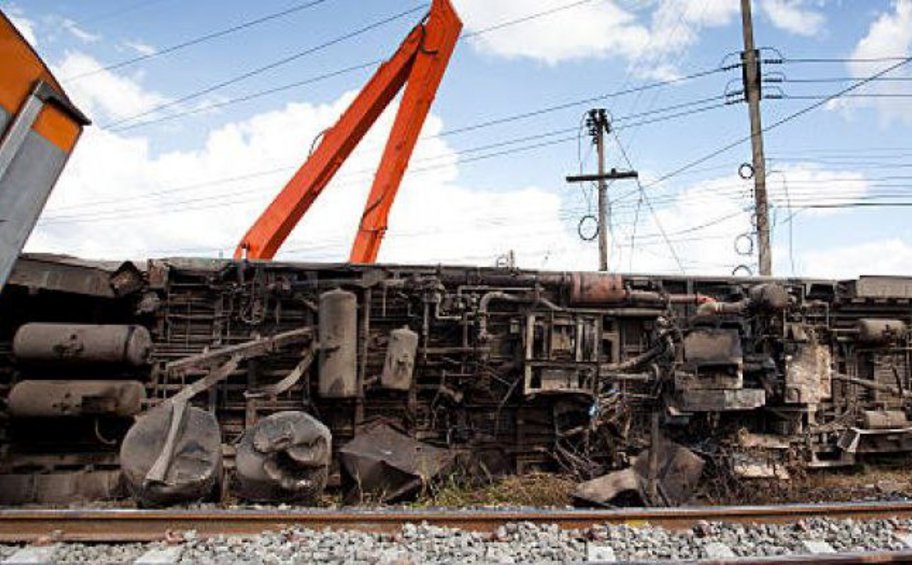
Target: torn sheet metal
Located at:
point(388, 464)
point(604, 489)
point(284, 457)
point(678, 472)
point(63, 274)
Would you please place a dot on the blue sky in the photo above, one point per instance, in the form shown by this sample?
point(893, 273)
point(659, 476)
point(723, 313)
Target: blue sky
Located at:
point(155, 190)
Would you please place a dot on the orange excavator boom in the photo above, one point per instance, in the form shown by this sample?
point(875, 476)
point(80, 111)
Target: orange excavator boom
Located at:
point(419, 65)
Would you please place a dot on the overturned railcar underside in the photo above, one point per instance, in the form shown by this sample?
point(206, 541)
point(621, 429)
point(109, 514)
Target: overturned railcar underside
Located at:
point(181, 379)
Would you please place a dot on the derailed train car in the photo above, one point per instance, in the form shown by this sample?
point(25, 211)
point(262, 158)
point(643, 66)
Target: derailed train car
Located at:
point(179, 380)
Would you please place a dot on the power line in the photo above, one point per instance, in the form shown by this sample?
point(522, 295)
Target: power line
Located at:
point(360, 66)
point(122, 10)
point(201, 39)
point(782, 121)
point(455, 131)
point(273, 16)
point(885, 59)
point(262, 69)
point(865, 95)
point(652, 211)
point(114, 215)
point(579, 102)
point(524, 19)
point(258, 94)
point(512, 141)
point(248, 97)
point(828, 80)
point(856, 205)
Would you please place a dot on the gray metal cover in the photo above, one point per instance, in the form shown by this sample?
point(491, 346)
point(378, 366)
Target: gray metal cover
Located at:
point(400, 360)
point(883, 287)
point(24, 190)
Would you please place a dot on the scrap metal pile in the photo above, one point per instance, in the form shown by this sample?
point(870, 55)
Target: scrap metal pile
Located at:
point(183, 380)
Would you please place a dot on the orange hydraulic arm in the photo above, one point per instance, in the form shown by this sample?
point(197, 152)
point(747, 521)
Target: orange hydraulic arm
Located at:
point(419, 64)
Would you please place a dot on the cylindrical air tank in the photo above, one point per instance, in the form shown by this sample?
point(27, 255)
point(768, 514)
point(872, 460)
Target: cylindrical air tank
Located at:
point(82, 344)
point(338, 337)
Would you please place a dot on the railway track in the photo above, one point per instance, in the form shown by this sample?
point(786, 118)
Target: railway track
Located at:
point(58, 527)
point(130, 525)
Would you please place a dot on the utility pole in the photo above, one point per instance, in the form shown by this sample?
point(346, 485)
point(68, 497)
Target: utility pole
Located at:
point(598, 126)
point(751, 76)
point(602, 127)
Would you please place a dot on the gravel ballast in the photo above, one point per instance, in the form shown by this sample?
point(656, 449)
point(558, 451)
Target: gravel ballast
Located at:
point(512, 543)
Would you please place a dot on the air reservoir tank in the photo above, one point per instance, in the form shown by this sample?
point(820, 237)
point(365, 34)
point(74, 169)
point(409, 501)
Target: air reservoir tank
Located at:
point(338, 337)
point(82, 344)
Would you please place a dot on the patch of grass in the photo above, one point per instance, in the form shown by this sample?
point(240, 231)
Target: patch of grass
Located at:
point(531, 489)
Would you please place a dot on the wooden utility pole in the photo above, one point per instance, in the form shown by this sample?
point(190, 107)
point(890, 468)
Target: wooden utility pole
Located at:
point(602, 126)
point(751, 76)
point(598, 126)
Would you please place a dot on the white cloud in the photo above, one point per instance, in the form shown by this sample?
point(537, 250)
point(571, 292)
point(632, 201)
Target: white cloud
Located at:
point(597, 29)
point(112, 183)
point(103, 94)
point(890, 35)
point(705, 221)
point(794, 16)
point(804, 183)
point(649, 36)
point(701, 223)
point(140, 47)
point(891, 256)
point(25, 26)
point(601, 29)
point(79, 33)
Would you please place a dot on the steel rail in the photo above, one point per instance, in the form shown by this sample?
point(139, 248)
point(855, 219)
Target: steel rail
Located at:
point(130, 525)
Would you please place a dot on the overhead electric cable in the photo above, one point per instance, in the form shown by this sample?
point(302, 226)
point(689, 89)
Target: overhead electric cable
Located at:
point(267, 67)
point(885, 59)
point(574, 103)
point(360, 66)
point(865, 95)
point(826, 80)
point(258, 94)
point(256, 174)
point(248, 97)
point(122, 10)
point(200, 39)
point(782, 121)
point(645, 197)
point(524, 19)
point(905, 204)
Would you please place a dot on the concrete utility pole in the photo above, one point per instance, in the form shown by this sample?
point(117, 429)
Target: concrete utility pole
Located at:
point(751, 77)
point(598, 127)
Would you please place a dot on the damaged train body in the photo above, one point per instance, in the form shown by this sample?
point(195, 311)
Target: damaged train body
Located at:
point(187, 379)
